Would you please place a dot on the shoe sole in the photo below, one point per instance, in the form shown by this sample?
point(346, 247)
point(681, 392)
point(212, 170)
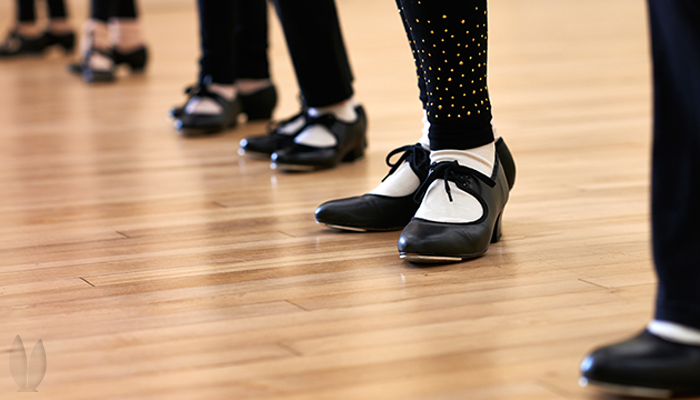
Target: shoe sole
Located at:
point(429, 259)
point(343, 228)
point(632, 391)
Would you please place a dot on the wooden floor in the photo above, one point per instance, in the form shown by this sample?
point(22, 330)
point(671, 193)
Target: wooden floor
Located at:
point(157, 267)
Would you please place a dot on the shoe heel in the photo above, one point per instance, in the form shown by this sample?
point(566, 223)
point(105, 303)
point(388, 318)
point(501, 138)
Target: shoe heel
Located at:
point(496, 236)
point(506, 159)
point(137, 61)
point(354, 154)
point(67, 42)
point(259, 105)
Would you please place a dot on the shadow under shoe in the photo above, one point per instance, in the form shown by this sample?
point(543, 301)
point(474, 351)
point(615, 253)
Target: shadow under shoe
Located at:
point(644, 366)
point(374, 212)
point(192, 125)
point(424, 241)
point(351, 141)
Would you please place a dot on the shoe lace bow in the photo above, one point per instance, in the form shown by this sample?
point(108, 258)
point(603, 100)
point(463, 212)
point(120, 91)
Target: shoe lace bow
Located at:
point(417, 157)
point(451, 171)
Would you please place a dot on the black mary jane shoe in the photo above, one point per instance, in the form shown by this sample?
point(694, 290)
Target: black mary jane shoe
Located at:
point(424, 241)
point(374, 212)
point(256, 106)
point(92, 75)
point(136, 60)
point(265, 145)
point(644, 366)
point(192, 125)
point(351, 141)
point(66, 41)
point(16, 44)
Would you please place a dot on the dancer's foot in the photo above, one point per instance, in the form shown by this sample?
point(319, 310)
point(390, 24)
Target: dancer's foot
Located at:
point(462, 203)
point(645, 366)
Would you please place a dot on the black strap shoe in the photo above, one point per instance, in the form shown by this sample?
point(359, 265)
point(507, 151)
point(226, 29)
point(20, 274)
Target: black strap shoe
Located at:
point(257, 106)
point(136, 59)
point(374, 212)
point(425, 241)
point(644, 366)
point(16, 44)
point(265, 145)
point(93, 75)
point(191, 125)
point(64, 40)
point(351, 141)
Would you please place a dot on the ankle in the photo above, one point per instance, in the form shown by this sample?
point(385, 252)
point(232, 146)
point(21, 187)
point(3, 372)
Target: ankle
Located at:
point(481, 159)
point(249, 86)
point(29, 30)
point(95, 34)
point(344, 110)
point(125, 34)
point(59, 26)
point(226, 91)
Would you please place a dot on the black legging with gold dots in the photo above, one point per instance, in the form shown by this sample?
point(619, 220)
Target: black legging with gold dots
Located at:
point(448, 39)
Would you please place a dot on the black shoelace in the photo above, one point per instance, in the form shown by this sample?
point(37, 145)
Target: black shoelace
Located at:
point(451, 171)
point(415, 155)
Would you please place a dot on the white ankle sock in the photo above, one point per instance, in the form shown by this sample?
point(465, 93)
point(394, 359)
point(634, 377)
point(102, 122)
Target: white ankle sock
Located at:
point(401, 183)
point(207, 106)
point(125, 34)
point(94, 34)
point(436, 205)
point(425, 139)
point(250, 86)
point(293, 126)
point(344, 111)
point(675, 332)
point(319, 136)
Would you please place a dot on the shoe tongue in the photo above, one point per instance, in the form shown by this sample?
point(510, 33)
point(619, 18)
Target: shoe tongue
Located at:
point(480, 159)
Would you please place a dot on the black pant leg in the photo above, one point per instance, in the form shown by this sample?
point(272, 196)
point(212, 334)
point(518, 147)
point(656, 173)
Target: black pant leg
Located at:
point(416, 59)
point(675, 27)
point(124, 9)
point(26, 11)
point(450, 40)
point(56, 8)
point(101, 10)
point(217, 21)
point(315, 43)
point(252, 40)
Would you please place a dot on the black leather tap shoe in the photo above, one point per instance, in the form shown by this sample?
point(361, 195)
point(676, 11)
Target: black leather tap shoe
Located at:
point(351, 143)
point(265, 145)
point(644, 366)
point(136, 60)
point(257, 106)
point(373, 212)
point(435, 242)
point(66, 41)
point(91, 75)
point(191, 125)
point(15, 44)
